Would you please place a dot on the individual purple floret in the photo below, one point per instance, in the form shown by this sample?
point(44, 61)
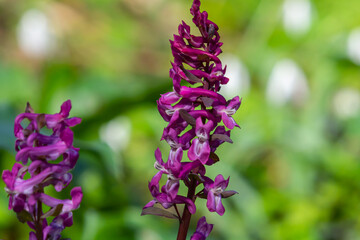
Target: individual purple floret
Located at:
point(199, 120)
point(215, 192)
point(51, 157)
point(203, 230)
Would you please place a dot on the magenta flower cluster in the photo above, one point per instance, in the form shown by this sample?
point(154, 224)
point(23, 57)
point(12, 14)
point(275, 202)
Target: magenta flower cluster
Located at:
point(194, 111)
point(52, 155)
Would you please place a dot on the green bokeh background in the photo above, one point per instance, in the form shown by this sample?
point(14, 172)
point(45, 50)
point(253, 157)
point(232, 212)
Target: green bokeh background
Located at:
point(296, 168)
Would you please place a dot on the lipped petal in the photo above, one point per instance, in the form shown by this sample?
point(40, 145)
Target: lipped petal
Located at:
point(175, 157)
point(192, 153)
point(203, 130)
point(27, 186)
point(51, 152)
point(158, 157)
point(219, 206)
point(68, 205)
point(53, 120)
point(220, 182)
point(169, 98)
point(199, 151)
point(76, 195)
point(234, 104)
point(210, 204)
point(32, 236)
point(154, 184)
point(194, 93)
point(71, 122)
point(171, 188)
point(19, 202)
point(150, 204)
point(67, 136)
point(190, 204)
point(184, 140)
point(197, 236)
point(53, 231)
point(203, 230)
point(229, 122)
point(171, 138)
point(9, 177)
point(65, 109)
point(175, 118)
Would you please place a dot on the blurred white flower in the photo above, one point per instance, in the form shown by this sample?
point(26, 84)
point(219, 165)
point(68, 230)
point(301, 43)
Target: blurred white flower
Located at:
point(346, 103)
point(34, 34)
point(353, 46)
point(147, 234)
point(116, 133)
point(287, 83)
point(239, 78)
point(296, 16)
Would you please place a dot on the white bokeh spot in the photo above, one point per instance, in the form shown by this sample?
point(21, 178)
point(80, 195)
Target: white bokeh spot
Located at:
point(34, 34)
point(287, 83)
point(346, 103)
point(239, 78)
point(116, 133)
point(296, 16)
point(353, 46)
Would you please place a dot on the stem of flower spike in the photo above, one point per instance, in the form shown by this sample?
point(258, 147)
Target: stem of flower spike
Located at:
point(185, 220)
point(38, 222)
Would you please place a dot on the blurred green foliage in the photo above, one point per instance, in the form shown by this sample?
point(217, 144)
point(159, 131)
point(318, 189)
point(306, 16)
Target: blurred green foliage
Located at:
point(296, 167)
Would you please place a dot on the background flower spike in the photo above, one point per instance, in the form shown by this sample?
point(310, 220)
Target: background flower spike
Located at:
point(36, 155)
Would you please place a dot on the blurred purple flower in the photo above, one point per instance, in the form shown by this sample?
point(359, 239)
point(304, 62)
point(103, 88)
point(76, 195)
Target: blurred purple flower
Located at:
point(203, 229)
point(26, 194)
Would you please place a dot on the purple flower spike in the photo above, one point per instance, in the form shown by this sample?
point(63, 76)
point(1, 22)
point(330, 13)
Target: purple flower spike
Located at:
point(194, 112)
point(203, 230)
point(26, 194)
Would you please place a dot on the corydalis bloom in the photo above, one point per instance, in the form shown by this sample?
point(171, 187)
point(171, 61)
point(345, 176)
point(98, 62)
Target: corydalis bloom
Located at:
point(215, 192)
point(203, 230)
point(198, 118)
point(42, 150)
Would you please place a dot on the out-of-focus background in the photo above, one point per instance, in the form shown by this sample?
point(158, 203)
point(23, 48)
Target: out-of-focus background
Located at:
point(295, 160)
